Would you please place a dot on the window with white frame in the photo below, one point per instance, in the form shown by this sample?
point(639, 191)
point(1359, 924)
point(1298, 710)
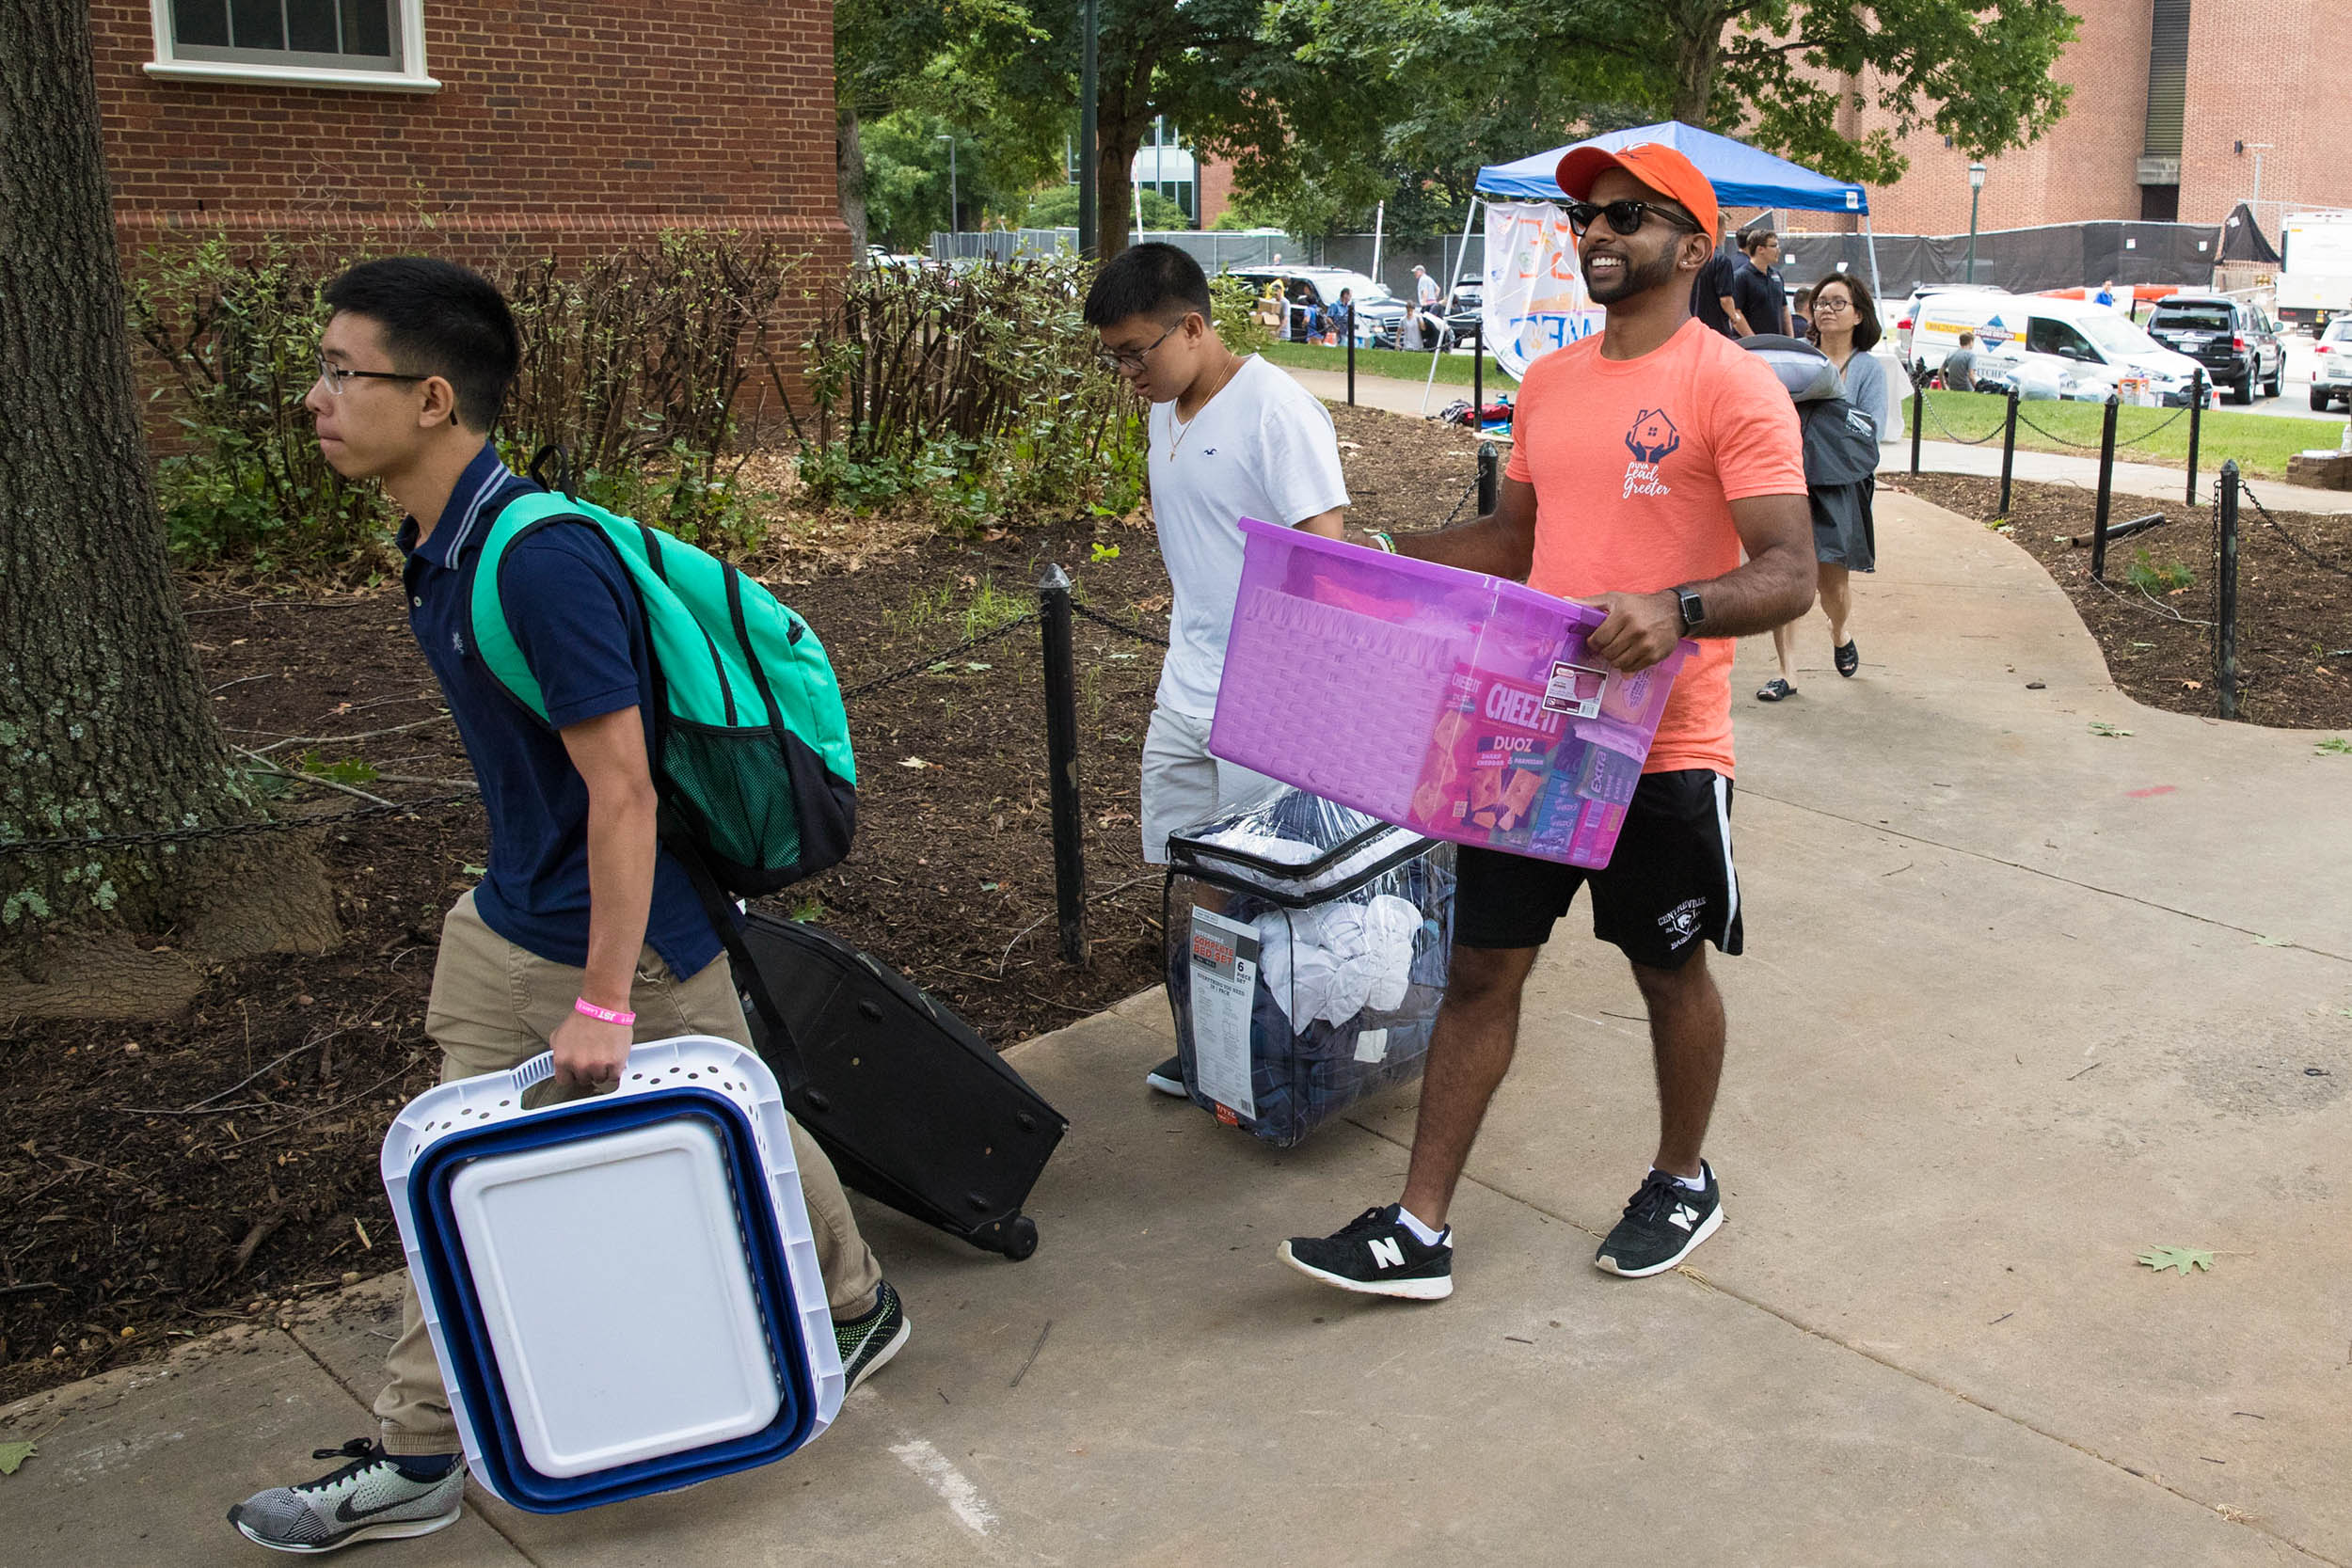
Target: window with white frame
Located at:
point(354, 43)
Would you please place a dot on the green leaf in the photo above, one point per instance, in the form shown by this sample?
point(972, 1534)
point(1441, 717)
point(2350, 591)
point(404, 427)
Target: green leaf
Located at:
point(472, 870)
point(349, 771)
point(12, 1455)
point(2183, 1259)
point(2100, 727)
point(2334, 746)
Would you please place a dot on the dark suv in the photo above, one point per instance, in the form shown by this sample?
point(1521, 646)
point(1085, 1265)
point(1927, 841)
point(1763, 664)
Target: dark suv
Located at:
point(2236, 342)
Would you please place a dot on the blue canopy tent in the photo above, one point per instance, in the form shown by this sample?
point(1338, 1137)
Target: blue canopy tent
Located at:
point(1743, 176)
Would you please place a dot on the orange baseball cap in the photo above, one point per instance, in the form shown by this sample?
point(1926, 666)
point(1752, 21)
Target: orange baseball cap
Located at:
point(1655, 165)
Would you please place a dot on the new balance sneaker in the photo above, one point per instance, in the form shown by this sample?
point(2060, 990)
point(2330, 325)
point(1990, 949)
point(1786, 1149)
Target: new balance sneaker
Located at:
point(1376, 1255)
point(869, 1341)
point(370, 1498)
point(1168, 1078)
point(1661, 1225)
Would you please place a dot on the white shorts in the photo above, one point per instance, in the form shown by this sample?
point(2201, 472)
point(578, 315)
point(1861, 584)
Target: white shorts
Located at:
point(1183, 785)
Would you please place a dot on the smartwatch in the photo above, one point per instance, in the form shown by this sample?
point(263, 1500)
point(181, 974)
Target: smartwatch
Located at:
point(1694, 611)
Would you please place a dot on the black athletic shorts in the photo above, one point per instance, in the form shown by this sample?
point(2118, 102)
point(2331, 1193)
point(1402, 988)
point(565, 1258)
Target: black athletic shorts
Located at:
point(1669, 885)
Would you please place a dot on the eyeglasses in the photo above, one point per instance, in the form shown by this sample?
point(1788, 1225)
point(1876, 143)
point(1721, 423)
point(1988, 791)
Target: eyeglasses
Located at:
point(337, 377)
point(1131, 360)
point(1830, 307)
point(1625, 217)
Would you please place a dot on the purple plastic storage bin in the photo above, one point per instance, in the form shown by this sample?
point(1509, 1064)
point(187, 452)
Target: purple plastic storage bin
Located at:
point(1463, 706)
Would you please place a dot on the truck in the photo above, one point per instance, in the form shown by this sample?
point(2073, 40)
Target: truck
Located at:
point(2315, 274)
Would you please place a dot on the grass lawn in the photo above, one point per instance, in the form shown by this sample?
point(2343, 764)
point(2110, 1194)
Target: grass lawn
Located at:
point(2262, 443)
point(1453, 368)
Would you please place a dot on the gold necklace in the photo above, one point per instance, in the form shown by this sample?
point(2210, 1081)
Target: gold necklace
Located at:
point(1184, 428)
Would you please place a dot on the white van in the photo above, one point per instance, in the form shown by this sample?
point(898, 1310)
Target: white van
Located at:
point(2056, 348)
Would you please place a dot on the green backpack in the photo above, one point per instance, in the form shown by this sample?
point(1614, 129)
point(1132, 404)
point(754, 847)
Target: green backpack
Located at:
point(751, 744)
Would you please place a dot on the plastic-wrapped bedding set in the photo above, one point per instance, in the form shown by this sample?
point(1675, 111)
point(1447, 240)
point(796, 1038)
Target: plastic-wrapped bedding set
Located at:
point(1306, 949)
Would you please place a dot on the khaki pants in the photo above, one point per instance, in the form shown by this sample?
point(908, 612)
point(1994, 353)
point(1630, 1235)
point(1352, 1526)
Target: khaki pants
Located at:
point(495, 1007)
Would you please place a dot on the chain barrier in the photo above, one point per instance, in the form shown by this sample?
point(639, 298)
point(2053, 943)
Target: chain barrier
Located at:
point(1962, 441)
point(931, 661)
point(1459, 504)
point(2092, 446)
point(2296, 545)
point(1138, 633)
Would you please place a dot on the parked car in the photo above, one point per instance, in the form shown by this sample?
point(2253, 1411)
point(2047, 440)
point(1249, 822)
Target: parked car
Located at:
point(2331, 373)
point(1908, 316)
point(2061, 348)
point(1377, 311)
point(2235, 341)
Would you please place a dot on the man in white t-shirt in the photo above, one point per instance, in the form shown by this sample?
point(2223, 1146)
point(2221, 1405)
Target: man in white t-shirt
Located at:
point(1426, 290)
point(1229, 438)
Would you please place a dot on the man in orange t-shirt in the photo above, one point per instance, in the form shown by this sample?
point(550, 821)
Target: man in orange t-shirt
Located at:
point(1646, 461)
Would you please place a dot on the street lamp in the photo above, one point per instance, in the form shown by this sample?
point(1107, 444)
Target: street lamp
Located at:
point(955, 225)
point(1976, 193)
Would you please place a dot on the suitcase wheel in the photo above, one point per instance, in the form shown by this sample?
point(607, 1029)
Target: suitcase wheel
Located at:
point(1019, 1238)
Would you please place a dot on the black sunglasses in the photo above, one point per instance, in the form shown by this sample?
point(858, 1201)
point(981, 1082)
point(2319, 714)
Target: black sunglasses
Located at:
point(1625, 217)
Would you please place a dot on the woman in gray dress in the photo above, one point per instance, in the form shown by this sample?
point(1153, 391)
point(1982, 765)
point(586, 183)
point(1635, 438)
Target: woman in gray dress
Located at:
point(1845, 327)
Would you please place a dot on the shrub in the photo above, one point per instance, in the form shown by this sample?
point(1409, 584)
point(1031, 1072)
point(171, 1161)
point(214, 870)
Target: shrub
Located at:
point(633, 362)
point(973, 393)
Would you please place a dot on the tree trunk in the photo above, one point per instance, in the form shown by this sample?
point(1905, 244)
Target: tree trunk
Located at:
point(850, 175)
point(1697, 27)
point(105, 725)
point(1120, 118)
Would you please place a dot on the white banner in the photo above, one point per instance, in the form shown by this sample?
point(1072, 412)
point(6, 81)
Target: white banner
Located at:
point(1535, 298)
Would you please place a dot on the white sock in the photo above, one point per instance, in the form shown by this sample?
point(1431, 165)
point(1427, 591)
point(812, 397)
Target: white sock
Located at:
point(1422, 1232)
point(1696, 1183)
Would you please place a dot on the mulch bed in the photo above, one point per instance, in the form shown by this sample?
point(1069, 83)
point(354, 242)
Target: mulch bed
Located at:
point(2294, 613)
point(159, 1179)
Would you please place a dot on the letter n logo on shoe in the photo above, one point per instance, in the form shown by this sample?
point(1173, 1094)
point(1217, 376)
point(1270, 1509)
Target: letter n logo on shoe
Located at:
point(1389, 1252)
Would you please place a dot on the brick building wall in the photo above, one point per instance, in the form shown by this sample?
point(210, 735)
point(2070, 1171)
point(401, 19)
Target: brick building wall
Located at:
point(1216, 189)
point(559, 129)
point(2260, 70)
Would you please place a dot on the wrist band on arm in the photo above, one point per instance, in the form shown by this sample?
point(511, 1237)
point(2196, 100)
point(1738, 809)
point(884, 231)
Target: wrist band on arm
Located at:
point(603, 1015)
point(1381, 537)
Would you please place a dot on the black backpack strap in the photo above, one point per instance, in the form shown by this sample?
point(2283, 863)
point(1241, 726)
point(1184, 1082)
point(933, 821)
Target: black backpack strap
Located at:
point(783, 1052)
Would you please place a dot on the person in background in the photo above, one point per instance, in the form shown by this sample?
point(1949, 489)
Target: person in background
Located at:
point(1426, 290)
point(1710, 295)
point(1960, 366)
point(1759, 297)
point(1227, 438)
point(1801, 313)
point(1344, 316)
point(1845, 327)
point(2105, 296)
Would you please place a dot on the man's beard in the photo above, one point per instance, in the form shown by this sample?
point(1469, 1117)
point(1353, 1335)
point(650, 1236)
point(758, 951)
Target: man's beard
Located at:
point(1636, 281)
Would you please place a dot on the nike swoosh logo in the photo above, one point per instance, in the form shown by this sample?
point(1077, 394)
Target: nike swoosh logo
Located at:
point(350, 1516)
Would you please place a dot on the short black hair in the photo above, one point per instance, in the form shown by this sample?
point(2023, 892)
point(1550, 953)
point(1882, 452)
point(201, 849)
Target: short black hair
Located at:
point(1151, 279)
point(1865, 310)
point(438, 319)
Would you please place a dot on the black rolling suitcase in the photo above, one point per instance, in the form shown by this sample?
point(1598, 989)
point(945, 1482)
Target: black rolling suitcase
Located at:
point(915, 1110)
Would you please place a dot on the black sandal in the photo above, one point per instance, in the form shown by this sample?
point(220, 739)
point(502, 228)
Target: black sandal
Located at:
point(1847, 658)
point(1775, 690)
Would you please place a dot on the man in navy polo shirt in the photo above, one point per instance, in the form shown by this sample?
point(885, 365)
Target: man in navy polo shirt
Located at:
point(584, 936)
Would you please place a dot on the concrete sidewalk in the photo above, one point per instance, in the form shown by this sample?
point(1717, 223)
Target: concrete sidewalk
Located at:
point(2021, 1000)
point(2149, 480)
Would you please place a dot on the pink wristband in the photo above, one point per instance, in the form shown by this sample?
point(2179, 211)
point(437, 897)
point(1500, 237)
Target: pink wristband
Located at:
point(604, 1014)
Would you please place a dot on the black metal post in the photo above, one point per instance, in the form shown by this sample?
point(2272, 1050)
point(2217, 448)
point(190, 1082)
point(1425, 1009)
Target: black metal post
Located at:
point(2106, 493)
point(1061, 752)
point(2008, 450)
point(1351, 358)
point(1477, 377)
point(1918, 418)
point(2196, 421)
point(1489, 477)
point(1089, 242)
point(2225, 593)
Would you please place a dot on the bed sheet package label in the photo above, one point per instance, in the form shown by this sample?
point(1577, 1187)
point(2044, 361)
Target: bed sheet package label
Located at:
point(1461, 707)
point(1224, 989)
